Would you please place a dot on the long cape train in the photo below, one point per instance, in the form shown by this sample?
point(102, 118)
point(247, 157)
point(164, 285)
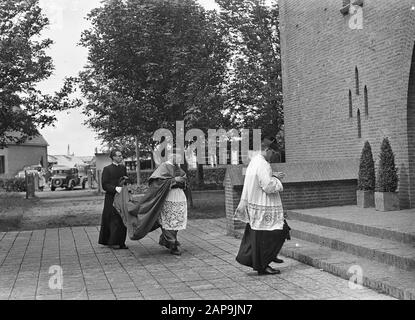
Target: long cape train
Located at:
point(142, 218)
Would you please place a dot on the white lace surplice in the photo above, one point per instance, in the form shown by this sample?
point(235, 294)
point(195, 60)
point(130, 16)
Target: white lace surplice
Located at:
point(173, 214)
point(260, 193)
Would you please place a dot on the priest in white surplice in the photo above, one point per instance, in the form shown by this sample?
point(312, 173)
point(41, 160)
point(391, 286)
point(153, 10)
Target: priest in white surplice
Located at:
point(261, 208)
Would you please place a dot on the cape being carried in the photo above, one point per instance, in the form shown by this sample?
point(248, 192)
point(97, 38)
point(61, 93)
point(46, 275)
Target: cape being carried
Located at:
point(142, 218)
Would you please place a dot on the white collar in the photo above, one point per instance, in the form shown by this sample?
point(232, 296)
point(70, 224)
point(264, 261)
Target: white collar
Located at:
point(116, 164)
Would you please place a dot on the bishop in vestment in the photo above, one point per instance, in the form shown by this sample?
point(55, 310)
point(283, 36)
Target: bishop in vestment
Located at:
point(164, 206)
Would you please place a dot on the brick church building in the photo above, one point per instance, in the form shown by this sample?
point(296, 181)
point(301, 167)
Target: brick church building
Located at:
point(348, 73)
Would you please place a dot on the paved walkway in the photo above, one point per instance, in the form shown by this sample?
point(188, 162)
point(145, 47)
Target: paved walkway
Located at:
point(206, 270)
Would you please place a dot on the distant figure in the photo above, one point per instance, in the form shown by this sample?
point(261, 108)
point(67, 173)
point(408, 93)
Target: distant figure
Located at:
point(42, 179)
point(112, 232)
point(261, 208)
point(48, 174)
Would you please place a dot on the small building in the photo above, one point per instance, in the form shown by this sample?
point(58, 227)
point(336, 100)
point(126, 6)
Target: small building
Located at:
point(15, 157)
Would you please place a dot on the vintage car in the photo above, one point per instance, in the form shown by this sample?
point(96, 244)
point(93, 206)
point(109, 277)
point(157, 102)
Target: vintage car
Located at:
point(28, 169)
point(65, 177)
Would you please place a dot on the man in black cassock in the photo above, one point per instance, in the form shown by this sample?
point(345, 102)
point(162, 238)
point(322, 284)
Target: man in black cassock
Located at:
point(112, 232)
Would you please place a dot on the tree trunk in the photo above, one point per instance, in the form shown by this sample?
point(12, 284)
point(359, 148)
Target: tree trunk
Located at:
point(200, 178)
point(152, 160)
point(137, 154)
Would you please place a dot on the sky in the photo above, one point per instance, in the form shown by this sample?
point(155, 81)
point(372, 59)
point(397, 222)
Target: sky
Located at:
point(66, 25)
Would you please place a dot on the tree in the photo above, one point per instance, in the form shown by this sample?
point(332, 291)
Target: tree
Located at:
point(151, 63)
point(23, 64)
point(387, 178)
point(366, 180)
point(255, 89)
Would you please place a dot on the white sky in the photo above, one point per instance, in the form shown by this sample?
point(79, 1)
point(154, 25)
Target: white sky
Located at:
point(66, 25)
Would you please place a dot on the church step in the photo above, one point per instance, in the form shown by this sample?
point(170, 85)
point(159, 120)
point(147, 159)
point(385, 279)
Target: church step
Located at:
point(378, 276)
point(356, 227)
point(391, 252)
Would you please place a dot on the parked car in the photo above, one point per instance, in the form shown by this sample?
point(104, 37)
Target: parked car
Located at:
point(65, 177)
point(28, 169)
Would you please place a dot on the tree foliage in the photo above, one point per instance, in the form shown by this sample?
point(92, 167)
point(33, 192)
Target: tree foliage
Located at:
point(151, 63)
point(255, 90)
point(366, 180)
point(23, 64)
point(387, 178)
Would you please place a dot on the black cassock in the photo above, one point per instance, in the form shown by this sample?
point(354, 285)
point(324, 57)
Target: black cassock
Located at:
point(113, 231)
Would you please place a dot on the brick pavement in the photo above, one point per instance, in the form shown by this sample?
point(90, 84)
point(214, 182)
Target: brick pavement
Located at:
point(206, 270)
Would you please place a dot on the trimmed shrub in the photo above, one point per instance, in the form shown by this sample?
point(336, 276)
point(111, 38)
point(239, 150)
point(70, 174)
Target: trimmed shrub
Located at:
point(13, 184)
point(213, 178)
point(145, 174)
point(367, 178)
point(387, 177)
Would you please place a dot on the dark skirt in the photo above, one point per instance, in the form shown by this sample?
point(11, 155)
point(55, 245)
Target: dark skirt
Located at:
point(113, 231)
point(259, 248)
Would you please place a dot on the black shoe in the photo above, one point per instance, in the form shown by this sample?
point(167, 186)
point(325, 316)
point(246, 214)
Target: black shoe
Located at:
point(163, 242)
point(122, 246)
point(269, 270)
point(276, 260)
point(176, 251)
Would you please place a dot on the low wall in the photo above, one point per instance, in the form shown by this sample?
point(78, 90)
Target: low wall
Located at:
point(307, 185)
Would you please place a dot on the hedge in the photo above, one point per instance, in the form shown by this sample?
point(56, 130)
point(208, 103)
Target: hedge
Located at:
point(213, 177)
point(366, 180)
point(387, 178)
point(13, 184)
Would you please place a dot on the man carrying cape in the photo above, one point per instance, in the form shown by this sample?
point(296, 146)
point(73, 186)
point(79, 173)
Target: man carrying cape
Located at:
point(164, 205)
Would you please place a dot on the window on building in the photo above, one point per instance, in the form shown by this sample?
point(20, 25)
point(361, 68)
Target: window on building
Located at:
point(366, 102)
point(356, 74)
point(359, 125)
point(2, 164)
point(350, 104)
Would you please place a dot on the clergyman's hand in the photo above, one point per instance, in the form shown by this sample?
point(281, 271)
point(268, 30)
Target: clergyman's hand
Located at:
point(180, 179)
point(241, 208)
point(279, 175)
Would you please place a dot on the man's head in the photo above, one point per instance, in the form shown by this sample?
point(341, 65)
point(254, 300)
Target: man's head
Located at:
point(116, 156)
point(269, 147)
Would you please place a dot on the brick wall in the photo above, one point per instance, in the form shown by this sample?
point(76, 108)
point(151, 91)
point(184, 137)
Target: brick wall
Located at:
point(320, 53)
point(298, 195)
point(232, 197)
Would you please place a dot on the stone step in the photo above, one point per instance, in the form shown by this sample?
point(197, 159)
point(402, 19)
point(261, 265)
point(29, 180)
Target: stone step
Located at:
point(391, 252)
point(378, 276)
point(356, 227)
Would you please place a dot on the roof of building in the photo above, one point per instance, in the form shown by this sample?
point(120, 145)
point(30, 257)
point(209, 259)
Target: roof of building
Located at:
point(70, 161)
point(37, 140)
